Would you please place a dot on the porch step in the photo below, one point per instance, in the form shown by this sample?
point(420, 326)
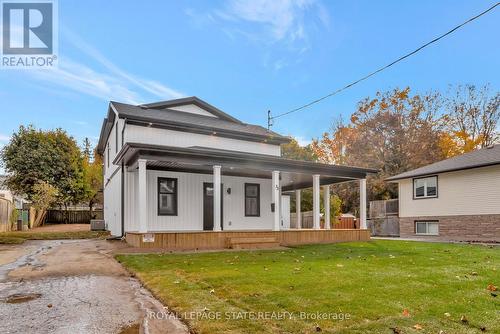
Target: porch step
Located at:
point(252, 243)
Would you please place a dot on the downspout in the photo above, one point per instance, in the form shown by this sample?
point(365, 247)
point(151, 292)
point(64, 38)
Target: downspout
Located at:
point(123, 200)
point(123, 184)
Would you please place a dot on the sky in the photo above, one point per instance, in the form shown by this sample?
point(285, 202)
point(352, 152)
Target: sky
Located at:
point(247, 57)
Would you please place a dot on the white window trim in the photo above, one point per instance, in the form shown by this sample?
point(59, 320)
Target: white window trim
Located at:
point(427, 227)
point(425, 187)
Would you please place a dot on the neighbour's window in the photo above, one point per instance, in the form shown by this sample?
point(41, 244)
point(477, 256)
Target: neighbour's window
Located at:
point(427, 228)
point(252, 199)
point(167, 197)
point(425, 187)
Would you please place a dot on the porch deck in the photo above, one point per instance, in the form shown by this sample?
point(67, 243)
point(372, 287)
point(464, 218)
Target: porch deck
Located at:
point(210, 240)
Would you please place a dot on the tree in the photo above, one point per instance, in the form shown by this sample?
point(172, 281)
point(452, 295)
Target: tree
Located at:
point(43, 197)
point(294, 151)
point(471, 120)
point(33, 156)
point(92, 165)
point(393, 132)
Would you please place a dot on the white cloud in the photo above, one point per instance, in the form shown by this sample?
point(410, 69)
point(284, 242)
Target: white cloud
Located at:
point(282, 20)
point(4, 138)
point(110, 82)
point(302, 140)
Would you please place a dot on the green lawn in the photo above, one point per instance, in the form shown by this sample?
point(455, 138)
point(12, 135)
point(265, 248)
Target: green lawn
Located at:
point(20, 237)
point(374, 282)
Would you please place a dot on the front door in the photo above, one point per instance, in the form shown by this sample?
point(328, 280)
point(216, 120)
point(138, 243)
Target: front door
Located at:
point(208, 206)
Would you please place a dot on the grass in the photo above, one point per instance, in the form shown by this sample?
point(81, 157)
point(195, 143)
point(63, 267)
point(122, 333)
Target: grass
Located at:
point(374, 282)
point(20, 237)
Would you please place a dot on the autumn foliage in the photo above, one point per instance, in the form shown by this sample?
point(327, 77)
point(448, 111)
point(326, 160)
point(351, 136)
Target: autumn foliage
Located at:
point(397, 131)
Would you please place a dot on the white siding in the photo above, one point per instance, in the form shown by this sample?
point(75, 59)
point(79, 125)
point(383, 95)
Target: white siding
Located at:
point(193, 109)
point(156, 136)
point(468, 192)
point(108, 171)
point(112, 204)
point(190, 203)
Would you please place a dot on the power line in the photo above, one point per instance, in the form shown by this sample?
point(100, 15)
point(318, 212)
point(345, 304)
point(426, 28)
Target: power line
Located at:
point(271, 118)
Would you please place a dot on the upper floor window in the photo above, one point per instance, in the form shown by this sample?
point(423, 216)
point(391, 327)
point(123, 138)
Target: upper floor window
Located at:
point(425, 187)
point(252, 199)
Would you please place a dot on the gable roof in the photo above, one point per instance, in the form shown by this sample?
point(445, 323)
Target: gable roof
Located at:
point(159, 115)
point(480, 158)
point(171, 104)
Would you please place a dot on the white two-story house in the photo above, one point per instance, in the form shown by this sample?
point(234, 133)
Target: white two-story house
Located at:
point(185, 166)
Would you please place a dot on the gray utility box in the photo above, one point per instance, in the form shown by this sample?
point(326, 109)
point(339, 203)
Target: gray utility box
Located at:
point(97, 225)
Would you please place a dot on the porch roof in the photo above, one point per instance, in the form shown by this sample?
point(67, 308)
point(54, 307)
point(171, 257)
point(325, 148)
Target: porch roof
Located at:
point(295, 174)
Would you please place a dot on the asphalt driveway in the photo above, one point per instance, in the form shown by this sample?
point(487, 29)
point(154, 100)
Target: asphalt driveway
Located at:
point(75, 286)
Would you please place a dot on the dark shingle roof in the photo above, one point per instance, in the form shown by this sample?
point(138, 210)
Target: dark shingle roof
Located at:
point(479, 158)
point(160, 114)
point(171, 116)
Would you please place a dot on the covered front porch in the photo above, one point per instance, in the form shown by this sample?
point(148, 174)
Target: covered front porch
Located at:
point(212, 197)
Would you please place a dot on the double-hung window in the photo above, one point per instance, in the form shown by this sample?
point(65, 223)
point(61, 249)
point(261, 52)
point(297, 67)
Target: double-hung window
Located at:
point(167, 196)
point(252, 200)
point(425, 187)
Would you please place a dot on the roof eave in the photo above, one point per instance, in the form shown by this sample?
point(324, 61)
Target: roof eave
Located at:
point(399, 178)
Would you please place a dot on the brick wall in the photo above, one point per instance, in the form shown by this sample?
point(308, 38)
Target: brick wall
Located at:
point(462, 228)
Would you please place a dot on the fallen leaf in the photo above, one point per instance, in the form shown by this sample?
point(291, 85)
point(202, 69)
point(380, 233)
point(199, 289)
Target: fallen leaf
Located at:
point(418, 327)
point(340, 265)
point(49, 305)
point(447, 314)
point(406, 313)
point(212, 291)
point(491, 287)
point(464, 319)
point(473, 273)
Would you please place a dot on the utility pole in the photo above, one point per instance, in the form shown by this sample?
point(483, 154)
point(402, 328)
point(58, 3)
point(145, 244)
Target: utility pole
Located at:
point(269, 120)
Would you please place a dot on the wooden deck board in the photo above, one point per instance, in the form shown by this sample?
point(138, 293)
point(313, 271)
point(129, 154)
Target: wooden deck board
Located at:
point(206, 240)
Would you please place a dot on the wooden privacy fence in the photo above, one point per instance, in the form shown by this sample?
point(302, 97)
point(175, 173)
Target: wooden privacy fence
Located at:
point(72, 216)
point(5, 212)
point(307, 221)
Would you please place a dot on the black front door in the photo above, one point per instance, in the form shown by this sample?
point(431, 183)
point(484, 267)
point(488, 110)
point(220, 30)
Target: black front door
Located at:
point(208, 206)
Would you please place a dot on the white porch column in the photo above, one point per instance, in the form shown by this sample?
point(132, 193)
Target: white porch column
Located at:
point(217, 197)
point(143, 194)
point(326, 202)
point(276, 200)
point(362, 203)
point(316, 213)
point(297, 209)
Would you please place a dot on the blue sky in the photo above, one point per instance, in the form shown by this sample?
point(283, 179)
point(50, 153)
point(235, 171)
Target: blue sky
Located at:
point(246, 57)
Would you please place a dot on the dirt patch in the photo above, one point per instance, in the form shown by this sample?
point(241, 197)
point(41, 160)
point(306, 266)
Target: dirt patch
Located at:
point(62, 228)
point(133, 329)
point(21, 298)
point(75, 257)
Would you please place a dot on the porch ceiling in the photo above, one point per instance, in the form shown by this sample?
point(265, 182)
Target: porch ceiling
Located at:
point(294, 174)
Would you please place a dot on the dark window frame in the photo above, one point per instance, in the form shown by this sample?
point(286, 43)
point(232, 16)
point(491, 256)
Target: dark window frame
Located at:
point(425, 177)
point(257, 197)
point(175, 193)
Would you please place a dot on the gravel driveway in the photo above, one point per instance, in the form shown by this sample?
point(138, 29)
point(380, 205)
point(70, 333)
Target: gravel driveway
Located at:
point(74, 286)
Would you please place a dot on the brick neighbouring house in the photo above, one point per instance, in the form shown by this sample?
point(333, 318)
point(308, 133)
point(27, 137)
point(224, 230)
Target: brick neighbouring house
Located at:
point(454, 199)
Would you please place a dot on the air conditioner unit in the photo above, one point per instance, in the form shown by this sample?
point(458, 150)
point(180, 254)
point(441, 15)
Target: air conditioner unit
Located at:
point(97, 225)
